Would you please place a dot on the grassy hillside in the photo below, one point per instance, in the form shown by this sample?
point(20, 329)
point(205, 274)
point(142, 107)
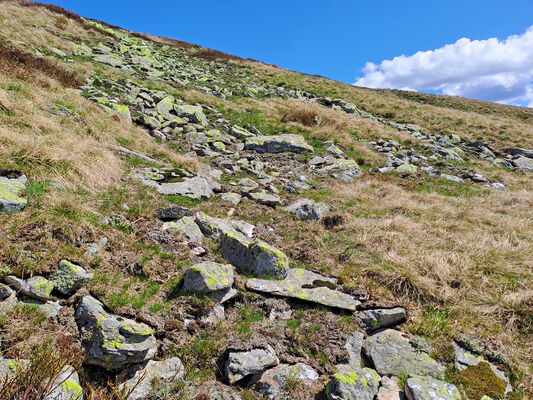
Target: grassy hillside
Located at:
point(455, 253)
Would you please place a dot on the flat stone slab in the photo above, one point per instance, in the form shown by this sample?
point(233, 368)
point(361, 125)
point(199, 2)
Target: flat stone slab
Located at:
point(241, 364)
point(278, 144)
point(266, 199)
point(308, 286)
point(392, 354)
point(353, 346)
point(207, 277)
point(427, 388)
point(382, 318)
point(10, 190)
point(213, 227)
point(187, 226)
point(360, 384)
point(274, 380)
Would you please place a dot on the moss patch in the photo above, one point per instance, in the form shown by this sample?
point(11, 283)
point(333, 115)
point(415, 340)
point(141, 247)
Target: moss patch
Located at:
point(480, 380)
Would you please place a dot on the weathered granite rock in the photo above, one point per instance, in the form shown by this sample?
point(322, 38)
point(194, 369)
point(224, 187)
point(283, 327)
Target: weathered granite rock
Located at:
point(353, 346)
point(515, 151)
point(390, 389)
point(10, 190)
point(332, 149)
point(111, 341)
point(69, 277)
point(5, 292)
point(406, 169)
point(382, 318)
point(50, 308)
point(240, 133)
point(271, 382)
point(308, 286)
point(143, 377)
point(233, 198)
point(340, 168)
point(193, 113)
point(94, 248)
point(266, 199)
point(207, 277)
point(187, 226)
point(198, 187)
point(241, 364)
point(278, 144)
point(361, 384)
point(523, 163)
point(67, 386)
point(173, 213)
point(213, 228)
point(109, 59)
point(392, 354)
point(253, 256)
point(307, 209)
point(427, 388)
point(36, 286)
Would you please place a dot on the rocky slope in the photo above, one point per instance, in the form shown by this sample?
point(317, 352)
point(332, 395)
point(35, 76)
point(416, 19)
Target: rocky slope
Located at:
point(179, 223)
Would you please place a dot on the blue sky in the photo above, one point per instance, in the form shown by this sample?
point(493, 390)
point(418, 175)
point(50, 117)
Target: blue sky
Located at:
point(334, 38)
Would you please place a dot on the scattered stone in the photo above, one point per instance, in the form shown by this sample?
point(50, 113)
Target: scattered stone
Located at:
point(66, 386)
point(50, 308)
point(406, 169)
point(37, 287)
point(515, 151)
point(390, 389)
point(5, 292)
point(265, 198)
point(233, 198)
point(353, 346)
point(271, 382)
point(187, 226)
point(382, 318)
point(241, 364)
point(427, 388)
point(452, 178)
point(253, 256)
point(10, 190)
point(240, 133)
point(69, 277)
point(308, 286)
point(332, 149)
point(94, 248)
point(207, 277)
point(523, 163)
point(307, 209)
point(361, 384)
point(278, 144)
point(111, 341)
point(173, 213)
point(143, 378)
point(392, 354)
point(213, 228)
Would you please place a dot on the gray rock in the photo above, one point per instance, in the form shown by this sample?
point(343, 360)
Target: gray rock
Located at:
point(278, 144)
point(10, 190)
point(69, 277)
point(187, 227)
point(241, 364)
point(307, 209)
point(406, 169)
point(253, 256)
point(36, 286)
point(332, 149)
point(198, 187)
point(50, 308)
point(66, 386)
point(427, 388)
point(173, 213)
point(523, 163)
point(207, 277)
point(5, 292)
point(271, 382)
point(193, 113)
point(213, 228)
point(141, 377)
point(240, 133)
point(265, 198)
point(353, 346)
point(382, 318)
point(339, 168)
point(94, 248)
point(515, 151)
point(308, 286)
point(360, 384)
point(109, 59)
point(233, 198)
point(392, 354)
point(390, 389)
point(452, 178)
point(111, 341)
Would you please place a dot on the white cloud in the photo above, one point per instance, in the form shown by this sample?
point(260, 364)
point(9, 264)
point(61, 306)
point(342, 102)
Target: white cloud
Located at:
point(493, 70)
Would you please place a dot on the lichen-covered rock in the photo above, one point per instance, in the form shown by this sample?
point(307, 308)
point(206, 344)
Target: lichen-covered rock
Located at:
point(360, 384)
point(515, 151)
point(187, 226)
point(193, 113)
point(50, 308)
point(109, 59)
point(213, 228)
point(523, 163)
point(66, 386)
point(143, 378)
point(36, 286)
point(271, 382)
point(392, 354)
point(240, 133)
point(340, 168)
point(278, 144)
point(308, 286)
point(207, 277)
point(241, 364)
point(308, 209)
point(198, 187)
point(406, 169)
point(10, 190)
point(253, 256)
point(233, 198)
point(266, 199)
point(427, 388)
point(383, 317)
point(111, 341)
point(69, 277)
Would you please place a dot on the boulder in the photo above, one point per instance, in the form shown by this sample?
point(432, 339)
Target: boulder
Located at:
point(37, 287)
point(253, 256)
point(515, 151)
point(5, 292)
point(427, 388)
point(340, 168)
point(392, 354)
point(143, 378)
point(173, 213)
point(50, 308)
point(360, 384)
point(232, 198)
point(111, 341)
point(10, 190)
point(406, 169)
point(198, 187)
point(240, 133)
point(241, 364)
point(307, 209)
point(332, 149)
point(271, 382)
point(353, 346)
point(278, 144)
point(69, 277)
point(213, 228)
point(193, 113)
point(109, 59)
point(207, 277)
point(523, 163)
point(390, 389)
point(187, 226)
point(382, 318)
point(266, 199)
point(308, 286)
